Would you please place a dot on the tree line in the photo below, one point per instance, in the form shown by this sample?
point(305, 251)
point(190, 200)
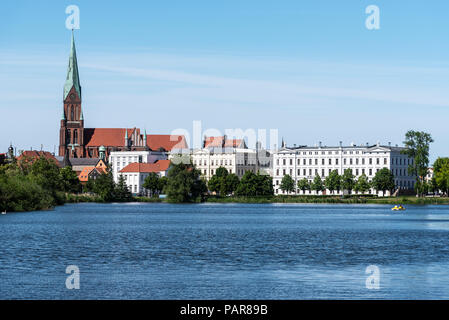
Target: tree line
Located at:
point(38, 183)
point(382, 181)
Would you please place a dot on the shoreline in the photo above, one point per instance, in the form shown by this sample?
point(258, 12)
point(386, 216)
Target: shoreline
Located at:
point(290, 199)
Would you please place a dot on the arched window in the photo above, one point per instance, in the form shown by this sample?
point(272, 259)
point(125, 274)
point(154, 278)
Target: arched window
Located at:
point(72, 113)
point(75, 136)
point(67, 138)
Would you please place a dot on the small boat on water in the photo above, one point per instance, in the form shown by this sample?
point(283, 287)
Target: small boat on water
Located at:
point(398, 208)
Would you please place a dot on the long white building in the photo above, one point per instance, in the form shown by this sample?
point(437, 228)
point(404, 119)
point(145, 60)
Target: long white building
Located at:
point(307, 162)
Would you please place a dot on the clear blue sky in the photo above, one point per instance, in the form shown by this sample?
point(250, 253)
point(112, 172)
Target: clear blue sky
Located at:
point(307, 68)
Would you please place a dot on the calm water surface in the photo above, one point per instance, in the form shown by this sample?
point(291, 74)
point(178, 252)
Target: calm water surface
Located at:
point(225, 251)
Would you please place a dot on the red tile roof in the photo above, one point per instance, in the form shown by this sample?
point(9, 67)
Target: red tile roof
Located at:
point(33, 155)
point(218, 142)
point(84, 175)
point(158, 166)
point(108, 137)
point(166, 141)
point(115, 137)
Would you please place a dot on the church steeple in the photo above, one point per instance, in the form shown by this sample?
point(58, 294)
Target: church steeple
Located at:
point(71, 133)
point(72, 79)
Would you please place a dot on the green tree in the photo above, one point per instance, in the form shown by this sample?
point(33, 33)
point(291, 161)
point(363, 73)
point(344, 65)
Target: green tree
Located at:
point(417, 145)
point(287, 184)
point(152, 184)
point(69, 180)
point(232, 182)
point(253, 184)
point(121, 191)
point(347, 180)
point(304, 185)
point(362, 185)
point(104, 187)
point(184, 184)
point(317, 184)
point(162, 183)
point(217, 183)
point(45, 172)
point(441, 174)
point(333, 181)
point(383, 180)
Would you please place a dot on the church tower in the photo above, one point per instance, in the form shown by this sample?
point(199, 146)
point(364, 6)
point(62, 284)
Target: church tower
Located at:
point(71, 133)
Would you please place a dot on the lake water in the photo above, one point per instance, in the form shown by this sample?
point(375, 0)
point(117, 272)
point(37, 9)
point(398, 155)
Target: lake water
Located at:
point(225, 251)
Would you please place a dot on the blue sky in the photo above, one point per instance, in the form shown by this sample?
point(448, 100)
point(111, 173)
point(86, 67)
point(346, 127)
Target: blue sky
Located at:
point(307, 68)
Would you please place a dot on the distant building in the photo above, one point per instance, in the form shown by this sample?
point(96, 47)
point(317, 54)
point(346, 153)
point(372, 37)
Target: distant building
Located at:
point(135, 174)
point(30, 156)
point(92, 172)
point(80, 142)
point(120, 159)
point(232, 154)
point(429, 176)
point(307, 162)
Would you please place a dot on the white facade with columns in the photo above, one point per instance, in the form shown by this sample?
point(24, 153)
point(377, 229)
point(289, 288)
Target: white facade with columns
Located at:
point(307, 162)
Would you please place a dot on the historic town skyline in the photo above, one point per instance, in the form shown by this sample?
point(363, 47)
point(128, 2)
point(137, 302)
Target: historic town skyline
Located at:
point(362, 87)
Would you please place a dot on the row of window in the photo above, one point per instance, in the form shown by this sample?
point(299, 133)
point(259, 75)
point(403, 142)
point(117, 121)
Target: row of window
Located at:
point(212, 162)
point(357, 172)
point(350, 161)
point(223, 162)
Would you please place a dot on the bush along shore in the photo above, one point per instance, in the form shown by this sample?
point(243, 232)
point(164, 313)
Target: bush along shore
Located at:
point(40, 184)
point(330, 199)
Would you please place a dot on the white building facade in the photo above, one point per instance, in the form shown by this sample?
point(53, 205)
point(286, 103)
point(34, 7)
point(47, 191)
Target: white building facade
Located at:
point(135, 174)
point(307, 162)
point(120, 159)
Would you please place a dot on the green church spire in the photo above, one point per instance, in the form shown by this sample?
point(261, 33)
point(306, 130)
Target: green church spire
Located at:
point(72, 79)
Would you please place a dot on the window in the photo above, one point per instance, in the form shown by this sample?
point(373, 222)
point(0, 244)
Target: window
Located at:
point(322, 162)
point(316, 162)
point(304, 161)
point(370, 161)
point(283, 162)
point(377, 161)
point(310, 162)
point(283, 172)
point(304, 172)
point(75, 136)
point(370, 172)
point(277, 172)
point(330, 161)
point(291, 162)
point(385, 160)
point(72, 113)
point(336, 161)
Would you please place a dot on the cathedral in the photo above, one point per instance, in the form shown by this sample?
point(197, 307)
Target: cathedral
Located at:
point(79, 142)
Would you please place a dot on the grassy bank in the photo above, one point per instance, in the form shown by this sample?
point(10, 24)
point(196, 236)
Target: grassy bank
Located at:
point(330, 199)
